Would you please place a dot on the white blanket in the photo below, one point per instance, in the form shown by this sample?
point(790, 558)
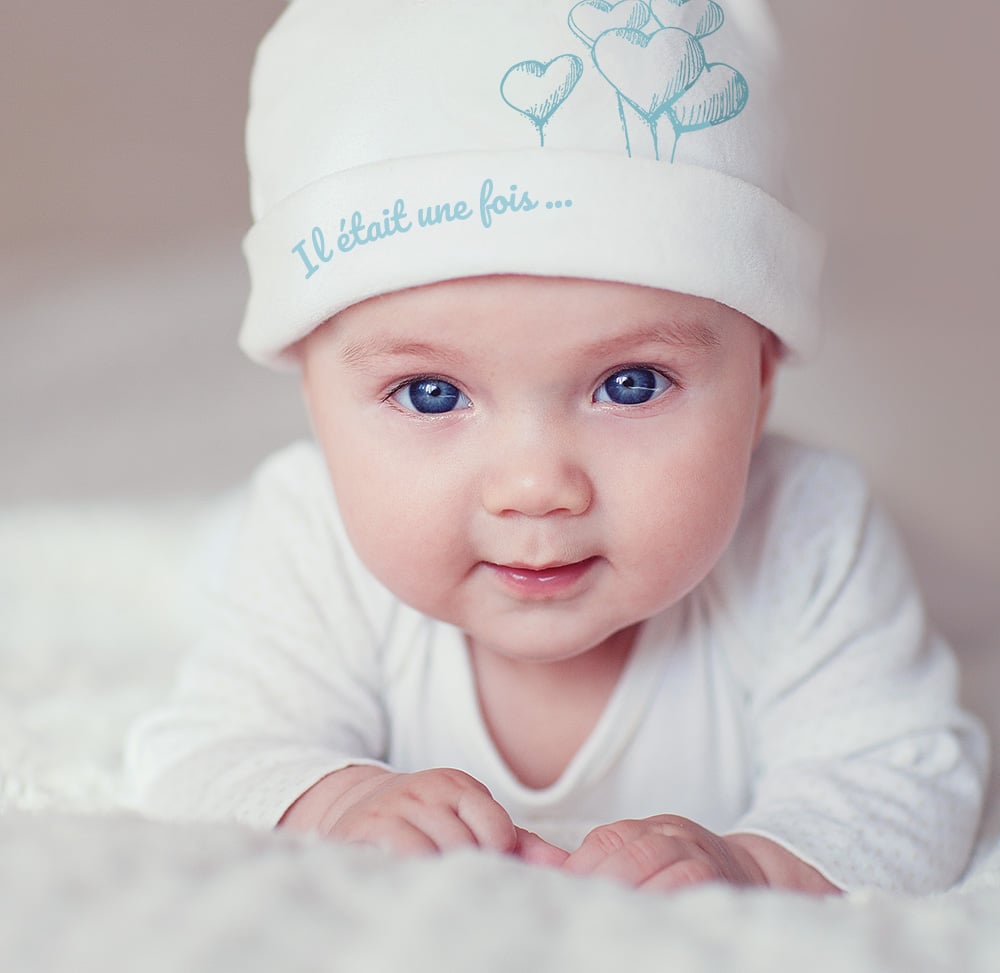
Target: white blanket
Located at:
point(97, 604)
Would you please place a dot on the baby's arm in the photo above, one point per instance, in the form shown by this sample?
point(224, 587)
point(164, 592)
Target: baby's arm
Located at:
point(865, 765)
point(282, 689)
point(426, 812)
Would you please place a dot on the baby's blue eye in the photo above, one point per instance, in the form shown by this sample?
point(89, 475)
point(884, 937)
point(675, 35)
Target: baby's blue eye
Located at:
point(431, 396)
point(632, 386)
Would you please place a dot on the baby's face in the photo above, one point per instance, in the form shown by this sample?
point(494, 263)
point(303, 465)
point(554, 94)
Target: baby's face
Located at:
point(540, 462)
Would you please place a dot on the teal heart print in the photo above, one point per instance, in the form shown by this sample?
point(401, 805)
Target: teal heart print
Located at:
point(649, 70)
point(537, 90)
point(719, 94)
point(652, 54)
point(699, 17)
point(590, 19)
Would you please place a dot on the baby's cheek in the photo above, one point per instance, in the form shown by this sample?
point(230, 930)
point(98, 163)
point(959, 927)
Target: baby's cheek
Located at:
point(403, 548)
point(682, 531)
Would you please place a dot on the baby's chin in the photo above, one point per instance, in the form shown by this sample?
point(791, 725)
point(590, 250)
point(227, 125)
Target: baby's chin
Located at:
point(552, 645)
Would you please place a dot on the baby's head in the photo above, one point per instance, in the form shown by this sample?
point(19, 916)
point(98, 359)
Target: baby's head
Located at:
point(531, 259)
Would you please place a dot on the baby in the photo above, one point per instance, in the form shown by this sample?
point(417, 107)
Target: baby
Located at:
point(543, 585)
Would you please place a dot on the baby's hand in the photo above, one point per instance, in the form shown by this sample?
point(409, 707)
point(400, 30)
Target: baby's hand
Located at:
point(669, 852)
point(664, 852)
point(425, 812)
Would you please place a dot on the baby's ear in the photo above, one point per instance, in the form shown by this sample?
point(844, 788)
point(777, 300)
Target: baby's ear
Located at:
point(296, 351)
point(771, 353)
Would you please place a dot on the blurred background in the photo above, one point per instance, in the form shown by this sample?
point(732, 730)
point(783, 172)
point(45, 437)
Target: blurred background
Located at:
point(123, 201)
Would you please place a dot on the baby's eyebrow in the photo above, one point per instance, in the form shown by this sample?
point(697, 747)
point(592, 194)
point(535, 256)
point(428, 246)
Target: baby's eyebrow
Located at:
point(693, 334)
point(697, 335)
point(362, 352)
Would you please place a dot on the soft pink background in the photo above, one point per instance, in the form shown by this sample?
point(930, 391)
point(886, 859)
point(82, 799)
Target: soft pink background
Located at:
point(123, 201)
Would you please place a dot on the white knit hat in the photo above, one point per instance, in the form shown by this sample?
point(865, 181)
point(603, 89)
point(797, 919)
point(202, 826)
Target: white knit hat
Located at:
point(414, 141)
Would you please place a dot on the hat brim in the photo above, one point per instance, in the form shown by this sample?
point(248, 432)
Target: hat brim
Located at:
point(409, 222)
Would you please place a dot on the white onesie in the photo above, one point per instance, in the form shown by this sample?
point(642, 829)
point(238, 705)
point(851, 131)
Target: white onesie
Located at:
point(796, 693)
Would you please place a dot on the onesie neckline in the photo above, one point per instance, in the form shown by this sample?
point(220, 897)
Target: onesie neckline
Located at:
point(616, 725)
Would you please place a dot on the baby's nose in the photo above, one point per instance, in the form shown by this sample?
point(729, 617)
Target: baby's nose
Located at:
point(536, 479)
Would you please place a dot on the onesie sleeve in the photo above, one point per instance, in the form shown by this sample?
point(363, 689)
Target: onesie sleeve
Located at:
point(865, 765)
point(283, 687)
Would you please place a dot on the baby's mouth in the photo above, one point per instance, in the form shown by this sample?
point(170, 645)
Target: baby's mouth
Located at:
point(545, 581)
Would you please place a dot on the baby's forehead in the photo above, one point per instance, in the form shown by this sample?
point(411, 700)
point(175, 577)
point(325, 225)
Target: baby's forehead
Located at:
point(534, 295)
point(548, 299)
point(544, 315)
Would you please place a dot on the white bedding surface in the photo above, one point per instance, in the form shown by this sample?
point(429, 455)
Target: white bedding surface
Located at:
point(112, 894)
point(99, 601)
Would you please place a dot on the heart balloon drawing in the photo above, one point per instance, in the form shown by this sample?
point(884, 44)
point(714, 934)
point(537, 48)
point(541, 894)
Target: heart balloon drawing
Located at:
point(651, 54)
point(590, 19)
point(699, 17)
point(536, 90)
point(649, 70)
point(719, 94)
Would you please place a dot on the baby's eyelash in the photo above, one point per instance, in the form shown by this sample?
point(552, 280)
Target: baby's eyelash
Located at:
point(402, 383)
point(667, 373)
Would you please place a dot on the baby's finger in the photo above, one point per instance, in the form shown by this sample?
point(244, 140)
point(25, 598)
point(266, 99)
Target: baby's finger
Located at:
point(442, 825)
point(392, 834)
point(537, 851)
point(644, 857)
point(682, 874)
point(599, 844)
point(486, 819)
